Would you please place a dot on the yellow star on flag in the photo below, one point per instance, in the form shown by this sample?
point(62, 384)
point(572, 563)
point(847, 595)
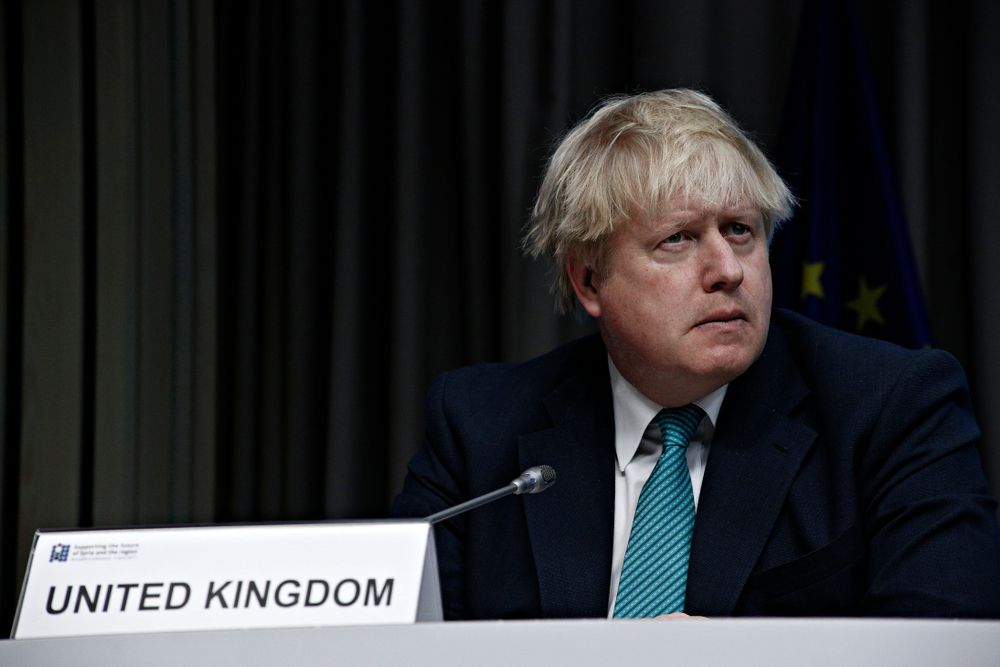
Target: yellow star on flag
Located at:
point(811, 285)
point(866, 303)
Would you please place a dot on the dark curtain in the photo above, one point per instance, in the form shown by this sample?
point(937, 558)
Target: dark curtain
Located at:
point(238, 239)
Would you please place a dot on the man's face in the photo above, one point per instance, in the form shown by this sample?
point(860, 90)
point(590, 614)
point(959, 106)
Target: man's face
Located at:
point(684, 302)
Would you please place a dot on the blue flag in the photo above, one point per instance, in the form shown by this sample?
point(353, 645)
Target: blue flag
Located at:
point(845, 258)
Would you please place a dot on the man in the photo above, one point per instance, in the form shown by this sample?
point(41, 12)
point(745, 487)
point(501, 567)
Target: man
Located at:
point(714, 458)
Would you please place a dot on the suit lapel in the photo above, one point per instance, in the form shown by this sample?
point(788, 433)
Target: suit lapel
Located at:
point(570, 525)
point(757, 449)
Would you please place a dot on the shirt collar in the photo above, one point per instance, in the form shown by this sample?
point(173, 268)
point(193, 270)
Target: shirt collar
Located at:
point(633, 411)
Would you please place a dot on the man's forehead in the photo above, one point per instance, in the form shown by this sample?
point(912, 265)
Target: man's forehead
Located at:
point(695, 208)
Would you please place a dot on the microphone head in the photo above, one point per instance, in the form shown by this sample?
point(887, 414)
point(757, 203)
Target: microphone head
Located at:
point(534, 480)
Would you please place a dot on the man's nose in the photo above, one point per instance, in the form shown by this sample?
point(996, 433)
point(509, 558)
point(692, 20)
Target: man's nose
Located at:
point(721, 269)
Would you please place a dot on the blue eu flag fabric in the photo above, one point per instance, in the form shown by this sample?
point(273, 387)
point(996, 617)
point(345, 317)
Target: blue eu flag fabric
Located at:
point(845, 259)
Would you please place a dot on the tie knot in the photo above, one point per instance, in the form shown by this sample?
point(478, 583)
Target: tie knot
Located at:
point(677, 425)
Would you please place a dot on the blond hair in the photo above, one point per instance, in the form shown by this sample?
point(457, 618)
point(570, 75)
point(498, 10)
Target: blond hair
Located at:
point(631, 157)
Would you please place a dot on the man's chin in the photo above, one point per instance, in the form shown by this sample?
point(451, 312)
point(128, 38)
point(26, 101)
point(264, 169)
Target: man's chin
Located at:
point(726, 365)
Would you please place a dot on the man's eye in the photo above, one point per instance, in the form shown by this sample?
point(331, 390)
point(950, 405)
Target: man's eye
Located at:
point(674, 238)
point(738, 229)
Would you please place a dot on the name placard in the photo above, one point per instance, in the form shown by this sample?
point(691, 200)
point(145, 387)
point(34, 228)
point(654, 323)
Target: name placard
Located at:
point(212, 578)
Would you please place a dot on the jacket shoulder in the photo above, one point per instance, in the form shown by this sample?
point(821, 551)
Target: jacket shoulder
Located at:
point(822, 352)
point(486, 383)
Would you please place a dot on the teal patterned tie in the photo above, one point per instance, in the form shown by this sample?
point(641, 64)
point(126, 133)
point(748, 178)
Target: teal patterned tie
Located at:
point(654, 572)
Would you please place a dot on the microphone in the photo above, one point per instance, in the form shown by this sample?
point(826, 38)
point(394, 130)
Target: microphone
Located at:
point(533, 480)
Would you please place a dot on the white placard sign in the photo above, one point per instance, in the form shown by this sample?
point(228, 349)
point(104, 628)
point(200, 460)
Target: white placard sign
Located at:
point(212, 578)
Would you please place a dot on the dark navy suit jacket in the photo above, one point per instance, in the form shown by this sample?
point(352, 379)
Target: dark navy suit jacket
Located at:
point(842, 479)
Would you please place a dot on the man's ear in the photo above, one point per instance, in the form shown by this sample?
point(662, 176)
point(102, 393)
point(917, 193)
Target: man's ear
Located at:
point(585, 284)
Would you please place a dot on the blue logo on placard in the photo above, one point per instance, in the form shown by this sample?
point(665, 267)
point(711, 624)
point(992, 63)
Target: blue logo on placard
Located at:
point(60, 553)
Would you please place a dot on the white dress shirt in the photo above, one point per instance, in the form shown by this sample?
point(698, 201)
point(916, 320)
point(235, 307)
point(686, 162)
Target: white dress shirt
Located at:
point(637, 447)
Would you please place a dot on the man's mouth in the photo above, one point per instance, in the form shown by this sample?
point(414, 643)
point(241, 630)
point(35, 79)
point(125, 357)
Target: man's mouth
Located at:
point(729, 318)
